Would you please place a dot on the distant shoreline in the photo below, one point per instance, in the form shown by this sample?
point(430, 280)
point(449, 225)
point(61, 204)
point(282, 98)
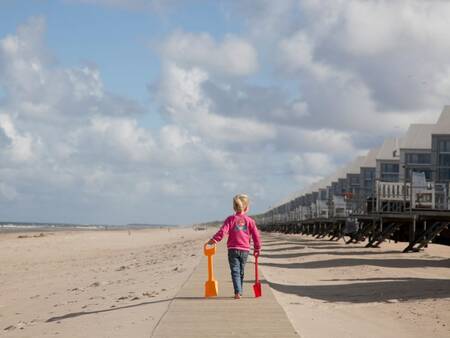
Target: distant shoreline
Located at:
point(15, 227)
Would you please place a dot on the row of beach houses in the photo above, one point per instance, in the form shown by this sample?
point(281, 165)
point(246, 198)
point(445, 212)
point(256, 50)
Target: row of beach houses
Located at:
point(411, 172)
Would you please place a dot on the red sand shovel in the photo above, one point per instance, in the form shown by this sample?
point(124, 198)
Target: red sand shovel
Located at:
point(211, 285)
point(257, 286)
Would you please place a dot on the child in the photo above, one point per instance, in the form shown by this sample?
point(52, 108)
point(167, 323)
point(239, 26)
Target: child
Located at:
point(239, 228)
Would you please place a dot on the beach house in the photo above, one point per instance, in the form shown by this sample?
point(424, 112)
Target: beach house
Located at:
point(440, 158)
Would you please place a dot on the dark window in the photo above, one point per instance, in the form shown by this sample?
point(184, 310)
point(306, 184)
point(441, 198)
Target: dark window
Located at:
point(389, 168)
point(369, 174)
point(389, 177)
point(354, 180)
point(444, 160)
point(444, 174)
point(428, 173)
point(418, 158)
point(444, 146)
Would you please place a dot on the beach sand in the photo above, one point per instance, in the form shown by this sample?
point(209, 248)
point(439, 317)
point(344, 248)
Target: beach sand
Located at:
point(119, 284)
point(92, 283)
point(329, 289)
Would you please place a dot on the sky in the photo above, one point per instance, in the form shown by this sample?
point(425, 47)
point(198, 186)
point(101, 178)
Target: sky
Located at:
point(116, 111)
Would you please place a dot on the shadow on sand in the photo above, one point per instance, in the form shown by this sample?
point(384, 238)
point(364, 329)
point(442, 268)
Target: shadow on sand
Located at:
point(297, 247)
point(373, 290)
point(83, 313)
point(340, 247)
point(309, 243)
point(345, 262)
point(335, 253)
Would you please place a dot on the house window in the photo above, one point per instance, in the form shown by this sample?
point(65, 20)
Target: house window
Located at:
point(444, 146)
point(389, 177)
point(354, 180)
point(444, 160)
point(428, 173)
point(444, 173)
point(389, 172)
point(369, 174)
point(418, 158)
point(390, 168)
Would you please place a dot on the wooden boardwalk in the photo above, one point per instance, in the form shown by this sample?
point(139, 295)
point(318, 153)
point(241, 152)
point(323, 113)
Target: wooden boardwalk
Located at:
point(191, 315)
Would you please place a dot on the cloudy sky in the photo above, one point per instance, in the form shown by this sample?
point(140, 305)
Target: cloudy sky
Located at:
point(118, 111)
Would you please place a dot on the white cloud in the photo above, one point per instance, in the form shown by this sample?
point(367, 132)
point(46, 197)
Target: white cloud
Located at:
point(124, 135)
point(185, 102)
point(312, 164)
point(393, 48)
point(175, 138)
point(18, 147)
point(297, 54)
point(233, 56)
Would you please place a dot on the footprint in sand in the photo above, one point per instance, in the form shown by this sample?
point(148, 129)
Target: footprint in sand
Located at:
point(9, 328)
point(150, 294)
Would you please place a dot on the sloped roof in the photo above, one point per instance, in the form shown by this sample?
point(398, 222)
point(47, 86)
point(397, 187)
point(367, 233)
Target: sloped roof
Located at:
point(418, 136)
point(325, 182)
point(355, 166)
point(370, 161)
point(340, 173)
point(443, 124)
point(287, 199)
point(387, 149)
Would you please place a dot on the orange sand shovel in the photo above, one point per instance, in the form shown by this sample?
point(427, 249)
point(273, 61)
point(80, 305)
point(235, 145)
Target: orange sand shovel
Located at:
point(211, 285)
point(257, 290)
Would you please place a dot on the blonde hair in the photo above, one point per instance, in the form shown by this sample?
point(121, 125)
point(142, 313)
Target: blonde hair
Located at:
point(240, 202)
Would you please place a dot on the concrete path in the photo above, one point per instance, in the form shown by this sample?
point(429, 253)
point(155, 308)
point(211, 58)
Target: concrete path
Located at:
point(191, 315)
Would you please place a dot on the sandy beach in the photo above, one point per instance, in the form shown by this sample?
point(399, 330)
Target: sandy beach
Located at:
point(120, 284)
point(329, 289)
point(92, 283)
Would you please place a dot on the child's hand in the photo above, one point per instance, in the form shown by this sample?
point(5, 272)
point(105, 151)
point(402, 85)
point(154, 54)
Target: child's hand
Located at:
point(211, 242)
point(256, 253)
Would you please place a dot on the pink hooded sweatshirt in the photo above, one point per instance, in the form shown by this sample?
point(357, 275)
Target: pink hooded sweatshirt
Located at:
point(239, 228)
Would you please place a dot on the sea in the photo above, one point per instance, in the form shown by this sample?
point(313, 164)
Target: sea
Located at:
point(26, 226)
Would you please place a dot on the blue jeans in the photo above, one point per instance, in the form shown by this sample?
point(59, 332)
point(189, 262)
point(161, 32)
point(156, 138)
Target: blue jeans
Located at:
point(237, 260)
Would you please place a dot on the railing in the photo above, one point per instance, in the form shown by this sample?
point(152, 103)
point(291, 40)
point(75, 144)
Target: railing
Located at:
point(426, 195)
point(389, 191)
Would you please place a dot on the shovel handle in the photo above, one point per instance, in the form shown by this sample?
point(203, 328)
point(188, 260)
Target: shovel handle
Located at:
point(210, 269)
point(256, 270)
point(210, 252)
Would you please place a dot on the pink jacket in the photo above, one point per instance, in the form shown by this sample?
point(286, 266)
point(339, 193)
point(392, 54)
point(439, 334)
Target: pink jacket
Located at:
point(239, 228)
